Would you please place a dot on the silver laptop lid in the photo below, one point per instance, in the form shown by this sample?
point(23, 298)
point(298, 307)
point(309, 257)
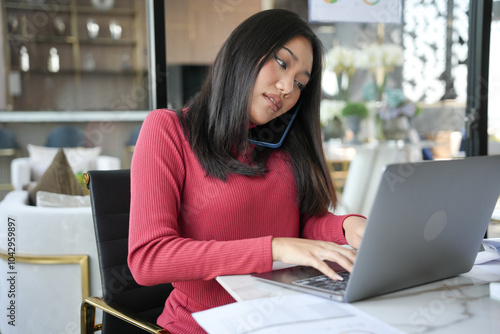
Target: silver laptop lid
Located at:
point(426, 224)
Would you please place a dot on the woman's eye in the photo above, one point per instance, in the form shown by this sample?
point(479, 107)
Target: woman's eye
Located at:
point(300, 85)
point(280, 62)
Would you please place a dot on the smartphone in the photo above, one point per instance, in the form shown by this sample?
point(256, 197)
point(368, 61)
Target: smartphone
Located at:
point(273, 133)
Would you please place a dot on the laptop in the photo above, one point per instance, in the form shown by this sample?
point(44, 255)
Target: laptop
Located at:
point(426, 224)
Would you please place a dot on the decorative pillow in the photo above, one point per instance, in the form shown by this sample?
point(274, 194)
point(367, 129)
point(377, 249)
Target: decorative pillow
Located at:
point(81, 159)
point(58, 178)
point(46, 199)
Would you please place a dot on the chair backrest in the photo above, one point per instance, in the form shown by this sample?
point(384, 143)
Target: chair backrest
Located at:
point(7, 139)
point(133, 136)
point(66, 136)
point(358, 176)
point(385, 154)
point(110, 198)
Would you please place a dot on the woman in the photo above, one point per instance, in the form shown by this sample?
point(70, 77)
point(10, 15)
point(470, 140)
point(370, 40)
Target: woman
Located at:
point(206, 202)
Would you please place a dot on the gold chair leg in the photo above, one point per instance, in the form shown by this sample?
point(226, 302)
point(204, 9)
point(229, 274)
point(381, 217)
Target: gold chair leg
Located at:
point(87, 320)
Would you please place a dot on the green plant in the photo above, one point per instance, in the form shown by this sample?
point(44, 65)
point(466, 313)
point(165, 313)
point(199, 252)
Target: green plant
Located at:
point(355, 109)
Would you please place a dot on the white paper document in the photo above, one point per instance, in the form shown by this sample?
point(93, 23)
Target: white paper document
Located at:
point(491, 251)
point(290, 314)
point(487, 264)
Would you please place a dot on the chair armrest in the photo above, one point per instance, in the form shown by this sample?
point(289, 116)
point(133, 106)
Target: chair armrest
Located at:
point(88, 312)
point(105, 162)
point(20, 172)
point(82, 260)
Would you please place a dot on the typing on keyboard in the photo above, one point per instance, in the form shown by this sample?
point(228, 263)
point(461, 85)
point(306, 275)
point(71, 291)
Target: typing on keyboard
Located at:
point(323, 282)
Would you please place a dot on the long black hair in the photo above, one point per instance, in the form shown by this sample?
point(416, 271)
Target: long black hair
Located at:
point(217, 121)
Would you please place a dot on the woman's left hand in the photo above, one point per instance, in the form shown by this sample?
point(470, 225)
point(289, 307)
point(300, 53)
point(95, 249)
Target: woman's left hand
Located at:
point(354, 229)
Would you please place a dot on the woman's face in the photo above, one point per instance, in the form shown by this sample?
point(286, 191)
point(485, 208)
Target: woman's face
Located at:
point(280, 80)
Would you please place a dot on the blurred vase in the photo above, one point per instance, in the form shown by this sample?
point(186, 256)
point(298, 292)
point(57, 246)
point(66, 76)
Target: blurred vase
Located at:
point(53, 61)
point(396, 128)
point(354, 123)
point(115, 30)
point(24, 59)
point(92, 28)
point(333, 129)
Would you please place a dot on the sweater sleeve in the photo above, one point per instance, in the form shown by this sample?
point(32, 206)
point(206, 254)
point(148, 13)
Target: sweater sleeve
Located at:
point(328, 227)
point(157, 252)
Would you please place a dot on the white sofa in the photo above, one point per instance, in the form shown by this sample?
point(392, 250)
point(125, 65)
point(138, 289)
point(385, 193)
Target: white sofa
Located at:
point(47, 297)
point(21, 174)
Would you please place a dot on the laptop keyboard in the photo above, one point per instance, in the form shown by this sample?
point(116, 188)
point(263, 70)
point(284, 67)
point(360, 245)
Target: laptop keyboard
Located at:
point(325, 283)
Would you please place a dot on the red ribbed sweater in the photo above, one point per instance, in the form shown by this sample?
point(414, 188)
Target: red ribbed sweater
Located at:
point(188, 228)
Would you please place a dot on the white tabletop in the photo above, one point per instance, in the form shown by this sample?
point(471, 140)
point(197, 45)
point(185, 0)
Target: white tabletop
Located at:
point(460, 304)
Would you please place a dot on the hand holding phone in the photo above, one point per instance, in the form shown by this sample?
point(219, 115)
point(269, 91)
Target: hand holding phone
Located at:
point(273, 133)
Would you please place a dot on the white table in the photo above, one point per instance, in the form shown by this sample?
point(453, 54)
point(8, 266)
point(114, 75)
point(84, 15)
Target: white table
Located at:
point(460, 304)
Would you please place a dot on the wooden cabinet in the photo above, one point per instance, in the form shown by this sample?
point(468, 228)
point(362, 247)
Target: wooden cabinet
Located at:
point(197, 29)
point(75, 55)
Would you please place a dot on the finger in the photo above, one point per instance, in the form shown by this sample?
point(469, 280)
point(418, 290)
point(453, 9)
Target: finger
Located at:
point(346, 252)
point(345, 262)
point(349, 253)
point(325, 269)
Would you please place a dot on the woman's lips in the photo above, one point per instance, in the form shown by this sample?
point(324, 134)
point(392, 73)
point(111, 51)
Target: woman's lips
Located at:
point(274, 101)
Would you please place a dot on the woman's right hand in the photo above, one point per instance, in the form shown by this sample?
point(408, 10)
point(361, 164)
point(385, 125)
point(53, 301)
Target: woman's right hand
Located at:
point(313, 253)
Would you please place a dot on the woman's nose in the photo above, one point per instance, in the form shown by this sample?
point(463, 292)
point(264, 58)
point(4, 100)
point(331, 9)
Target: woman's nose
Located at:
point(285, 85)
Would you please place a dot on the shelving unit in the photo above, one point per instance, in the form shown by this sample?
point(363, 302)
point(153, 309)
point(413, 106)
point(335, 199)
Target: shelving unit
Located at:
point(94, 73)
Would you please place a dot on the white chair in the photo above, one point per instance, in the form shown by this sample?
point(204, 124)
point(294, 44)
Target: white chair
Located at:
point(358, 176)
point(365, 173)
point(388, 153)
point(54, 267)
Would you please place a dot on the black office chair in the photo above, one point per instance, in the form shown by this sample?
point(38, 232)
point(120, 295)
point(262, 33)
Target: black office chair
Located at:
point(128, 307)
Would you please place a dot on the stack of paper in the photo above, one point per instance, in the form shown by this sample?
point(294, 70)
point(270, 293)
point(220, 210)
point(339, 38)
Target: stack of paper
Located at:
point(290, 314)
point(487, 264)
